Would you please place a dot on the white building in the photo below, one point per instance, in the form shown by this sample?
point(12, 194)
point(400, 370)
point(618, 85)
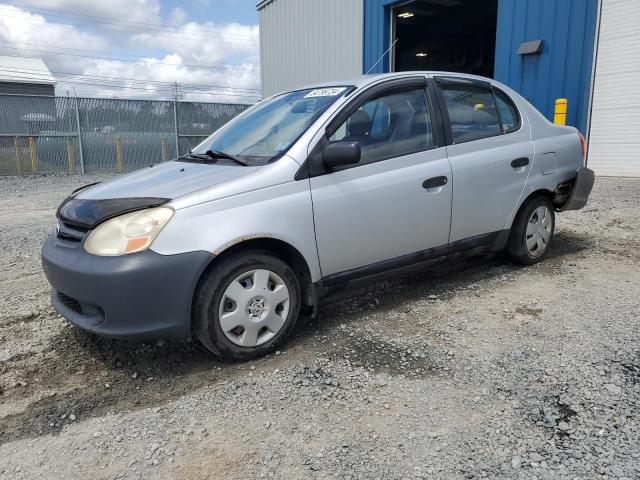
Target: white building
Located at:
point(26, 76)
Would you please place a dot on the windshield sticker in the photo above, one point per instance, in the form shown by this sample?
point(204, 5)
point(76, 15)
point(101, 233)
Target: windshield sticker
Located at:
point(325, 92)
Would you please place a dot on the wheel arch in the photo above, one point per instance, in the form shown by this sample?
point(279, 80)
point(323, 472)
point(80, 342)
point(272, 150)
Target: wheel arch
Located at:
point(545, 192)
point(540, 192)
point(278, 248)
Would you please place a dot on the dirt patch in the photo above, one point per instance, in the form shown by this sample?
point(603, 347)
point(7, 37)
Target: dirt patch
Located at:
point(631, 370)
point(445, 374)
point(380, 356)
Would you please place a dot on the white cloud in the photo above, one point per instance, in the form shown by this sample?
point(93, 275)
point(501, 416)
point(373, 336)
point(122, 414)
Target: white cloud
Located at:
point(24, 29)
point(204, 42)
point(230, 85)
point(228, 43)
point(128, 10)
point(177, 16)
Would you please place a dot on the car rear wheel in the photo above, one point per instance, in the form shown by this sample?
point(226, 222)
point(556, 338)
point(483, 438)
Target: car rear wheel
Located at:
point(532, 231)
point(246, 305)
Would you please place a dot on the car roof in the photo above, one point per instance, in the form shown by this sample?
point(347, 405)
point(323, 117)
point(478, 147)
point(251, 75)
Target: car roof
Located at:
point(364, 80)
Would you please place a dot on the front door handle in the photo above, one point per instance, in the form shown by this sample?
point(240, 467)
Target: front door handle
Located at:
point(435, 182)
point(520, 162)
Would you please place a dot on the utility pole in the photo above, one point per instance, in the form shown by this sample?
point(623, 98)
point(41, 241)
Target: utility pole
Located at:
point(177, 92)
point(177, 96)
point(79, 130)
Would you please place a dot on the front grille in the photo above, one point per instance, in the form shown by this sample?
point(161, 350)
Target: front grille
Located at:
point(91, 316)
point(70, 303)
point(71, 233)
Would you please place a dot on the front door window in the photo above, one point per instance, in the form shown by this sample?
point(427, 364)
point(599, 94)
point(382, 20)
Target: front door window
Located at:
point(395, 124)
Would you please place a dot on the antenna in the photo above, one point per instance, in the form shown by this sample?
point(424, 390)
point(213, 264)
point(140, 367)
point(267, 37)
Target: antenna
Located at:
point(381, 57)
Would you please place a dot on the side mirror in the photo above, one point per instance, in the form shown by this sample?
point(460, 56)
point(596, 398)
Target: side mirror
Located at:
point(339, 154)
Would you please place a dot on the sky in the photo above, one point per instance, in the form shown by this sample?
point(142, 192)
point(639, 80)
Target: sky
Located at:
point(139, 48)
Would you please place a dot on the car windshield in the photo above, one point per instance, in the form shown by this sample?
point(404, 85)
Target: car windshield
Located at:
point(269, 130)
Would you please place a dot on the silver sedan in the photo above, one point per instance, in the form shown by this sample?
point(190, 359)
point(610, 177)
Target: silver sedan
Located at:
point(307, 192)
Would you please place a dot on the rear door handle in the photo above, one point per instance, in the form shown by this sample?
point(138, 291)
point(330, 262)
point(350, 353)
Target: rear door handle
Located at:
point(435, 182)
point(520, 162)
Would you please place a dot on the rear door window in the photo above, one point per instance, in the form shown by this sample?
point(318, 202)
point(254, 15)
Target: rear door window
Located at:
point(472, 112)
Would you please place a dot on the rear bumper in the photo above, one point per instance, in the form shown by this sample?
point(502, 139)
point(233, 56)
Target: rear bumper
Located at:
point(144, 295)
point(585, 179)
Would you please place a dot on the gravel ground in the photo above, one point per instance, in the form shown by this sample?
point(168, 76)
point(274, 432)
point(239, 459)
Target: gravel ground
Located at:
point(476, 369)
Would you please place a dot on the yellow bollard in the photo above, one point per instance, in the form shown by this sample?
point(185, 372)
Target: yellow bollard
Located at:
point(165, 149)
point(32, 152)
point(70, 158)
point(16, 141)
point(119, 163)
point(560, 112)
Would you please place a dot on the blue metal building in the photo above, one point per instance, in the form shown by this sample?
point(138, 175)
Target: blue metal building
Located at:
point(586, 51)
point(563, 68)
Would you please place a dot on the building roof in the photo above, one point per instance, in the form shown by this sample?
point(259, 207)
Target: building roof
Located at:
point(263, 4)
point(25, 70)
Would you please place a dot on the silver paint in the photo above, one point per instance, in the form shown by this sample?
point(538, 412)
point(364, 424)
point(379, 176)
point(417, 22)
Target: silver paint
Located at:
point(253, 307)
point(362, 215)
point(166, 180)
point(539, 231)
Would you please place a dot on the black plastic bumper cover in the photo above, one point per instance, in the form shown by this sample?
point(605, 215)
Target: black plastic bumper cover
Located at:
point(142, 295)
point(581, 189)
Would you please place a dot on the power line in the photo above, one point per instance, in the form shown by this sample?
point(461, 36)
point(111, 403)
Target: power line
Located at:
point(111, 59)
point(63, 13)
point(221, 66)
point(161, 91)
point(38, 73)
point(104, 26)
point(149, 89)
point(23, 14)
point(102, 19)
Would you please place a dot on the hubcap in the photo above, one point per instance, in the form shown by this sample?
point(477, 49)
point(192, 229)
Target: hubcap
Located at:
point(538, 231)
point(254, 307)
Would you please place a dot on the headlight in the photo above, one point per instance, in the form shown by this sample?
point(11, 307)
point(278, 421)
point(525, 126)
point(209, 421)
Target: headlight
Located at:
point(128, 233)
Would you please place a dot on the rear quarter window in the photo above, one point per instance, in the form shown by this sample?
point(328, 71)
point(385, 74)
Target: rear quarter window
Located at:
point(509, 115)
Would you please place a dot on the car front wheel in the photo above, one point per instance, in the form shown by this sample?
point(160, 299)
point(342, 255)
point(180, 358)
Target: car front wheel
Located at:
point(246, 305)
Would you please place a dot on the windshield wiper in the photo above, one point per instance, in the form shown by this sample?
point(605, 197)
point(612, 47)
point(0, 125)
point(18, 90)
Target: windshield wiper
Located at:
point(197, 156)
point(219, 154)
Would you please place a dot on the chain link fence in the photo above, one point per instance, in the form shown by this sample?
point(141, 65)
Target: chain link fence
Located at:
point(83, 135)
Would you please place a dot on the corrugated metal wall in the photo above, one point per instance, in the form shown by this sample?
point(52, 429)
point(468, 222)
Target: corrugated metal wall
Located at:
point(377, 28)
point(309, 41)
point(562, 70)
point(15, 88)
point(614, 141)
point(567, 28)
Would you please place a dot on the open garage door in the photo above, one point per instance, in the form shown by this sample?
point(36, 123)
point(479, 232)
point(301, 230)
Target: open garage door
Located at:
point(449, 35)
point(614, 138)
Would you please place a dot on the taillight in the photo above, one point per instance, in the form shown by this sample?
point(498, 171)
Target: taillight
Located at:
point(583, 144)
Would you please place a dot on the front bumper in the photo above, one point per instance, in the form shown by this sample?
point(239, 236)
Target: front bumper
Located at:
point(143, 295)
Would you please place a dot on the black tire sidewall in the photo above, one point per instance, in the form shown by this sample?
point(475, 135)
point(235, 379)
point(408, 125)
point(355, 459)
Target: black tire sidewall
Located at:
point(517, 248)
point(211, 292)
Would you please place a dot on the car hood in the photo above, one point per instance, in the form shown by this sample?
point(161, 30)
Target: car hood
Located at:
point(167, 180)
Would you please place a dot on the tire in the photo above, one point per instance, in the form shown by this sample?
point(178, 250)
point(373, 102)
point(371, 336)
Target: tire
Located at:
point(529, 240)
point(265, 306)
